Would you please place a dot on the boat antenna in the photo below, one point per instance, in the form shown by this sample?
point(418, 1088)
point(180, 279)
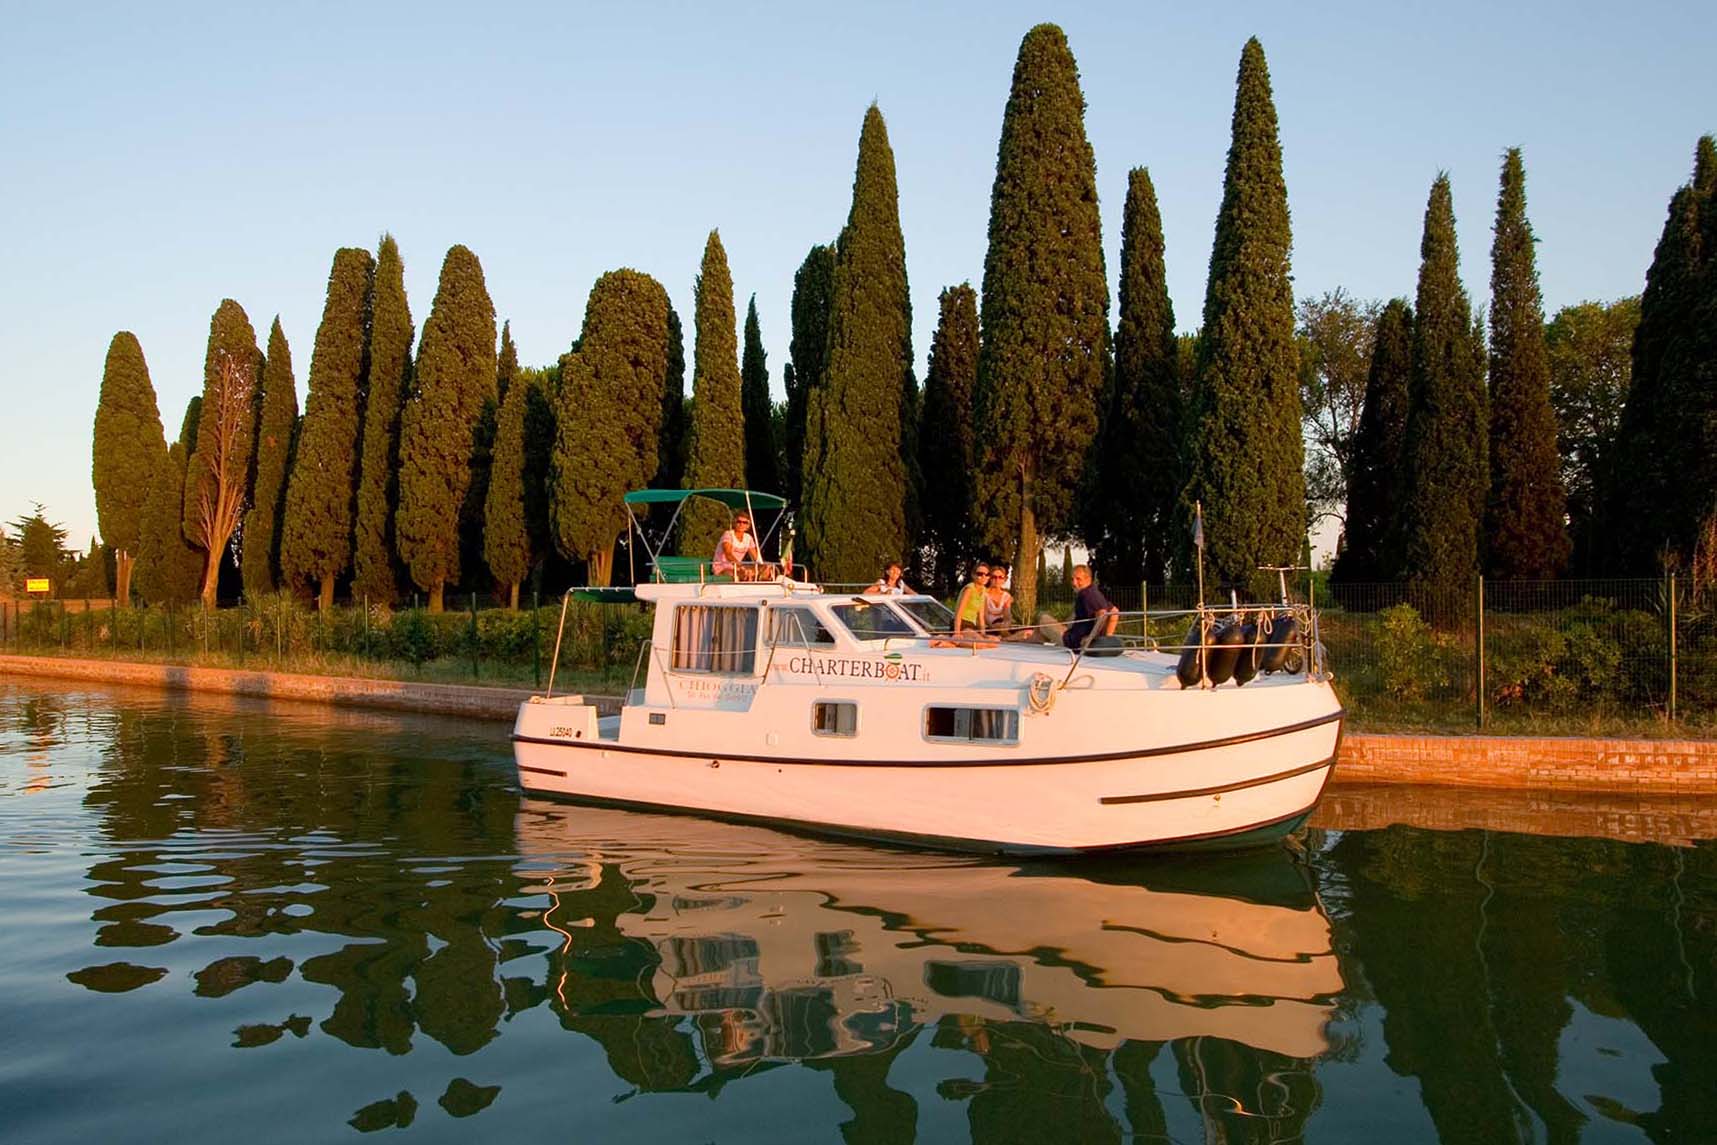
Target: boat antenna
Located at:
point(558, 632)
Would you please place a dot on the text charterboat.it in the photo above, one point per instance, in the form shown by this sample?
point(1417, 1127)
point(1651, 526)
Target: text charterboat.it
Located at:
point(782, 701)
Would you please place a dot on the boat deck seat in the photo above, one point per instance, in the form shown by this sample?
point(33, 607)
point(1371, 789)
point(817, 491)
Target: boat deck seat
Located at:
point(687, 570)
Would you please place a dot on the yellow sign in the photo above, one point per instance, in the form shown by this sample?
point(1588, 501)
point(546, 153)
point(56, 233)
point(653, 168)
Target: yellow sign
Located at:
point(37, 584)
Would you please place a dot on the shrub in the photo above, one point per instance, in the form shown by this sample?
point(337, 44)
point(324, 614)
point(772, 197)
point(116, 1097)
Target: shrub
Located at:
point(1407, 654)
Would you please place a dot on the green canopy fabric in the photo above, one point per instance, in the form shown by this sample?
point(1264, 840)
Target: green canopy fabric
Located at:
point(620, 594)
point(732, 498)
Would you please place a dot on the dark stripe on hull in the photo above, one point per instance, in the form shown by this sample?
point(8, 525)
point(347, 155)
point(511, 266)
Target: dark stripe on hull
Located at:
point(1238, 785)
point(1138, 753)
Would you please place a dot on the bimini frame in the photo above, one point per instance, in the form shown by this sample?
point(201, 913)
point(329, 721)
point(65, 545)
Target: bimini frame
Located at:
point(735, 499)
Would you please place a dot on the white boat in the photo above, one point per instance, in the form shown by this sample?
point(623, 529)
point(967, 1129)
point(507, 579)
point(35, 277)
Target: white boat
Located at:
point(790, 703)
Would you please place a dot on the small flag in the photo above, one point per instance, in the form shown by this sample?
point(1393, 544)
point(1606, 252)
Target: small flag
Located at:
point(1198, 524)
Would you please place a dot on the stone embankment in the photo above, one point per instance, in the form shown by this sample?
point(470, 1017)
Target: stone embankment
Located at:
point(1638, 766)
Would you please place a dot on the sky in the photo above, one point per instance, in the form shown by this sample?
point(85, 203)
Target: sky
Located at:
point(155, 159)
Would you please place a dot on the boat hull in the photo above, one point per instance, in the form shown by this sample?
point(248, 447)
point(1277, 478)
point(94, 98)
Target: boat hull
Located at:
point(1242, 791)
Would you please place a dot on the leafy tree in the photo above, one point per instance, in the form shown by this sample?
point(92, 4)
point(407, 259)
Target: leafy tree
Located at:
point(1663, 487)
point(275, 436)
point(671, 468)
point(316, 533)
point(947, 441)
point(476, 496)
point(455, 378)
point(376, 569)
point(808, 354)
point(1336, 333)
point(856, 495)
point(506, 540)
point(1446, 471)
point(168, 567)
point(716, 457)
point(539, 438)
point(1374, 481)
point(1138, 463)
point(1525, 518)
point(1247, 452)
point(129, 446)
point(1044, 356)
point(609, 416)
point(1589, 347)
point(11, 568)
point(761, 456)
point(217, 476)
point(41, 546)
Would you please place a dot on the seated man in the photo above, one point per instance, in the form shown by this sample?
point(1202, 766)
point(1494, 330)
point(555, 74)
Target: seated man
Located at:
point(890, 583)
point(1091, 610)
point(737, 554)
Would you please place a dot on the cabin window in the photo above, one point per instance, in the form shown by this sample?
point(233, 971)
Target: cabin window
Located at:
point(834, 718)
point(872, 621)
point(932, 614)
point(715, 638)
point(972, 725)
point(798, 627)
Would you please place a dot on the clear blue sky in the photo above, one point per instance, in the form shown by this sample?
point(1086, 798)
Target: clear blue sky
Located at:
point(157, 158)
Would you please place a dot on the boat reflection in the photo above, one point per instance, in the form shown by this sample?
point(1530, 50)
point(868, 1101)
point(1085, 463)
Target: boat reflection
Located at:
point(767, 947)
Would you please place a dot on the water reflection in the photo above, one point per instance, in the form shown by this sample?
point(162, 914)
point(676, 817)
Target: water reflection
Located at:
point(330, 923)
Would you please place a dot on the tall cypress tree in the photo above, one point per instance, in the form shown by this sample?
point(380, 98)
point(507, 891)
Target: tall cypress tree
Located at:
point(455, 378)
point(716, 456)
point(223, 460)
point(762, 470)
point(1374, 487)
point(1044, 357)
point(129, 448)
point(376, 569)
point(260, 561)
point(1526, 517)
point(808, 353)
point(609, 416)
point(1446, 475)
point(1138, 465)
point(316, 533)
point(671, 466)
point(856, 498)
point(506, 366)
point(506, 539)
point(169, 568)
point(947, 439)
point(1246, 450)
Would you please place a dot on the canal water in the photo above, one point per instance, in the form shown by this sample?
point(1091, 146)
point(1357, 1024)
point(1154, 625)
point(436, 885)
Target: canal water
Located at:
point(226, 920)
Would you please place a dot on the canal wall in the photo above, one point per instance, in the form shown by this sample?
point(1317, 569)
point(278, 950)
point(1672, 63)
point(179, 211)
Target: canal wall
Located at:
point(1544, 763)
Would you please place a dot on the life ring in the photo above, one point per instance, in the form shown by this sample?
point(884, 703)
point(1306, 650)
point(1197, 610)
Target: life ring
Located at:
point(1040, 693)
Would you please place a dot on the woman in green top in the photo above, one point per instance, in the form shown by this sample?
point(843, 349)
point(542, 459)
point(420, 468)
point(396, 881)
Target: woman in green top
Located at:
point(969, 610)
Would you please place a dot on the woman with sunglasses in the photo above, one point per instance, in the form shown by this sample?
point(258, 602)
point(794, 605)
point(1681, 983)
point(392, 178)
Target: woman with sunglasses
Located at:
point(998, 608)
point(969, 609)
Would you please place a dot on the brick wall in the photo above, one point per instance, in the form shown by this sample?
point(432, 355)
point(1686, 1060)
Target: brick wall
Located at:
point(1687, 767)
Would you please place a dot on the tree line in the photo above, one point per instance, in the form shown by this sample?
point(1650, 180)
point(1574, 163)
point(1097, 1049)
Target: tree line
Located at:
point(1451, 440)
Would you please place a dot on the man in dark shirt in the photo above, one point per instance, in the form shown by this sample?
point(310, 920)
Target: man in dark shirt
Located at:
point(1091, 609)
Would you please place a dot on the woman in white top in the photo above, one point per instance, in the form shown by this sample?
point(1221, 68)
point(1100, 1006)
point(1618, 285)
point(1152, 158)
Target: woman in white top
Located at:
point(737, 547)
point(890, 583)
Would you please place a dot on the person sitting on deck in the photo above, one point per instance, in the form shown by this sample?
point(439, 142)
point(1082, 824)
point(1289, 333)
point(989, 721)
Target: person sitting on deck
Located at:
point(998, 608)
point(1091, 610)
point(890, 582)
point(736, 554)
point(969, 609)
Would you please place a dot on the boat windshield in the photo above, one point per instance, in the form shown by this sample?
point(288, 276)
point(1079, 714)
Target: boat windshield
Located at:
point(932, 615)
point(867, 621)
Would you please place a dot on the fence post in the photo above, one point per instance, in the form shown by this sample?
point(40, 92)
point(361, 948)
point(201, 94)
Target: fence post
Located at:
point(474, 673)
point(1478, 649)
point(536, 638)
point(1672, 648)
point(170, 634)
point(365, 627)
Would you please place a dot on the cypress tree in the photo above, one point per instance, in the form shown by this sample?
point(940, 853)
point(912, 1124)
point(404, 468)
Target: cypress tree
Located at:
point(376, 569)
point(1445, 469)
point(1374, 487)
point(1246, 450)
point(129, 447)
point(609, 416)
point(762, 470)
point(220, 467)
point(260, 561)
point(316, 533)
point(856, 497)
point(506, 366)
point(506, 540)
point(1525, 520)
point(716, 457)
point(455, 377)
point(169, 568)
point(947, 440)
point(671, 468)
point(807, 352)
point(1044, 357)
point(1138, 467)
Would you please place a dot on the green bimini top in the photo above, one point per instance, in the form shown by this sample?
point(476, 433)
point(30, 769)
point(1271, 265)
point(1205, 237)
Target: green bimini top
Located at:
point(732, 498)
point(621, 594)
